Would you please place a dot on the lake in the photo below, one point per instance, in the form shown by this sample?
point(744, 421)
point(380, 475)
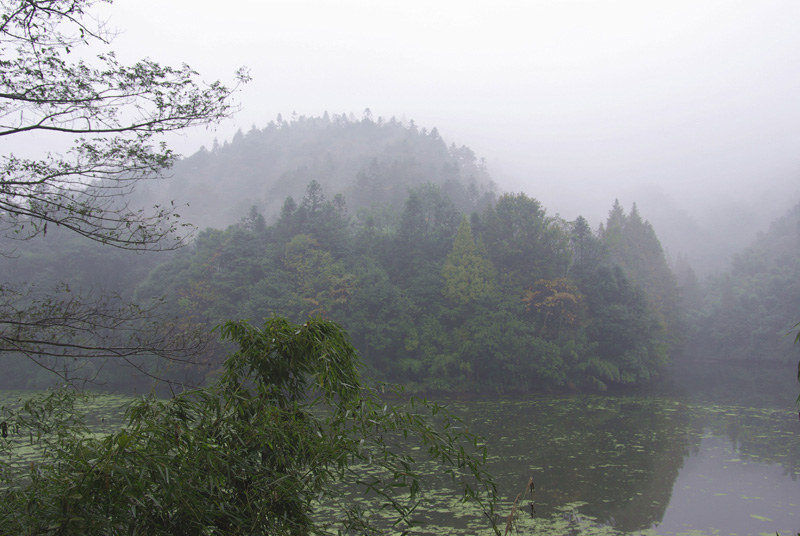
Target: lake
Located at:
point(641, 465)
point(621, 465)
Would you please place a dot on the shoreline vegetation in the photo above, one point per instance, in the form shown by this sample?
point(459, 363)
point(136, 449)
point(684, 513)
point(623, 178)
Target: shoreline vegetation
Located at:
point(286, 426)
point(568, 444)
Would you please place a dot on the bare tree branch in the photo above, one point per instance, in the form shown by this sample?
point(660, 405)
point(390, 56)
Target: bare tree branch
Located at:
point(113, 115)
point(59, 323)
point(117, 111)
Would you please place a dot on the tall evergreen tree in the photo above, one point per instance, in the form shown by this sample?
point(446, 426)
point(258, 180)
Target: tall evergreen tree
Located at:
point(468, 275)
point(632, 243)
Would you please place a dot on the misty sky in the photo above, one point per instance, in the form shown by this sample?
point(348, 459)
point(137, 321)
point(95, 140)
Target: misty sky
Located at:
point(574, 102)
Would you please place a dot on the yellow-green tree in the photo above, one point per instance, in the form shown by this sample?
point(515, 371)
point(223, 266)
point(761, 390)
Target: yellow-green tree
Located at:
point(557, 302)
point(468, 273)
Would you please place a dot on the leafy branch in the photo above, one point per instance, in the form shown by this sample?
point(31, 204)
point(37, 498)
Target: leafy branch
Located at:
point(287, 430)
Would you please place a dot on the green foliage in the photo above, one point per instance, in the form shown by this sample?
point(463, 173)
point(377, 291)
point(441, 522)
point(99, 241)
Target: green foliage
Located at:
point(523, 242)
point(632, 244)
point(286, 429)
point(557, 304)
point(630, 341)
point(428, 224)
point(468, 274)
point(322, 282)
point(433, 304)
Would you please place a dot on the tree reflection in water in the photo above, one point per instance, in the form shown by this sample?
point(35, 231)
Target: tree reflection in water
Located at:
point(636, 463)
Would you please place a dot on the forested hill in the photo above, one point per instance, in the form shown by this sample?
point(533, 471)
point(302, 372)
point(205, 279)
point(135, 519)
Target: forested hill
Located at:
point(441, 283)
point(506, 299)
point(744, 315)
point(369, 161)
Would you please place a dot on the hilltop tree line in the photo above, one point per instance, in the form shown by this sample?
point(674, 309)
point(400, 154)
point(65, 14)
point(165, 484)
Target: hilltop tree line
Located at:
point(60, 275)
point(371, 161)
point(443, 284)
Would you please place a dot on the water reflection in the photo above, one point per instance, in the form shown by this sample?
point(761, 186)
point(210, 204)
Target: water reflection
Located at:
point(638, 463)
point(721, 489)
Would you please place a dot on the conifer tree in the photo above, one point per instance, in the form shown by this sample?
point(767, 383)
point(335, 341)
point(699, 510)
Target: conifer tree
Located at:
point(468, 274)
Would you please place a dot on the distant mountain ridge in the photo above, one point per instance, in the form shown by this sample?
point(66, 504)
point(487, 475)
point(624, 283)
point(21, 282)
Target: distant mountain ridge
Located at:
point(370, 162)
point(745, 314)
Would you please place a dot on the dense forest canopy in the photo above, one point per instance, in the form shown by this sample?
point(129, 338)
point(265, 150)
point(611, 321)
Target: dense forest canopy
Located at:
point(497, 301)
point(443, 283)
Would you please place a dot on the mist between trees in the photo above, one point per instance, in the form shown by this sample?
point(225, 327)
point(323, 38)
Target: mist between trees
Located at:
point(400, 249)
point(444, 283)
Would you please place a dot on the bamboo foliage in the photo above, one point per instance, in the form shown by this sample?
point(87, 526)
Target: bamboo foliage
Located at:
point(284, 431)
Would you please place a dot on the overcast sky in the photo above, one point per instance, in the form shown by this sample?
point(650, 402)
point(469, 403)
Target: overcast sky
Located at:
point(574, 102)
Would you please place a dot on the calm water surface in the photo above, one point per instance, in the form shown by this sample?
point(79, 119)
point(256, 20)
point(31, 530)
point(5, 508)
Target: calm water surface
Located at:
point(643, 465)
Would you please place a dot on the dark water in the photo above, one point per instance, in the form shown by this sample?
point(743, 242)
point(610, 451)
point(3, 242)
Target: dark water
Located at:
point(607, 465)
point(620, 465)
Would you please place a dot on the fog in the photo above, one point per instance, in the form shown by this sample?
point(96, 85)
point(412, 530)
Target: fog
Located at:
point(689, 109)
point(657, 394)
